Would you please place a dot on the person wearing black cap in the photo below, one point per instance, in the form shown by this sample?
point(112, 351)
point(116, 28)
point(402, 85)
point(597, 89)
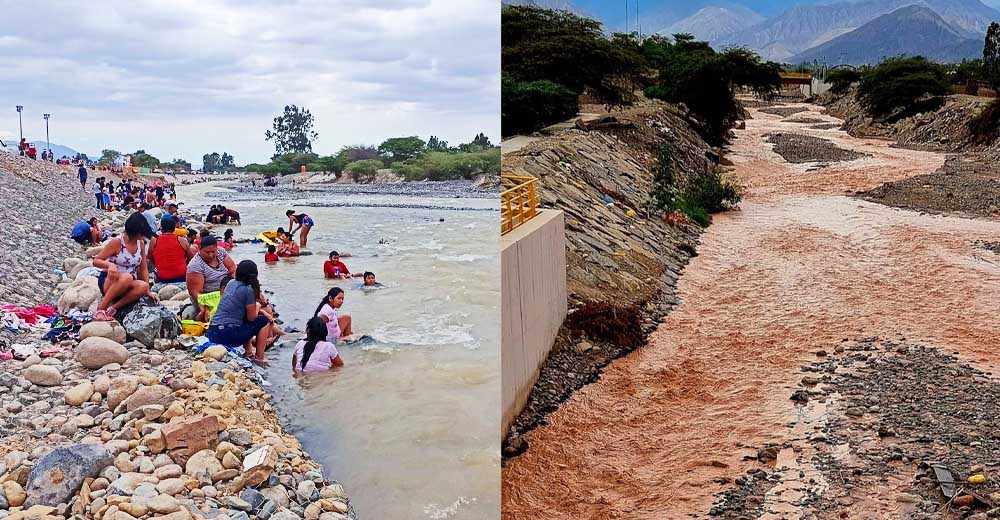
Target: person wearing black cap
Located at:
point(238, 321)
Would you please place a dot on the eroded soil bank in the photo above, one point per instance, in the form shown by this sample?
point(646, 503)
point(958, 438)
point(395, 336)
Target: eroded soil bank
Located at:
point(702, 416)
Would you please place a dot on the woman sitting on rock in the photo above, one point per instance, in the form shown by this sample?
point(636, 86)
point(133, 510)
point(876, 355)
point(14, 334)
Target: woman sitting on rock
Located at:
point(316, 354)
point(336, 327)
point(206, 272)
point(169, 253)
point(239, 321)
point(124, 270)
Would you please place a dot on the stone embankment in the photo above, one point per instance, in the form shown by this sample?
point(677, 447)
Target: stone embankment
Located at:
point(126, 421)
point(617, 252)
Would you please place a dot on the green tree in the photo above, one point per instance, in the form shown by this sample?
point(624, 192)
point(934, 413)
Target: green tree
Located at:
point(436, 145)
point(141, 159)
point(896, 86)
point(528, 106)
point(179, 165)
point(292, 162)
point(356, 152)
point(227, 162)
point(211, 162)
point(109, 157)
point(482, 141)
point(363, 171)
point(991, 55)
point(397, 149)
point(292, 131)
point(841, 79)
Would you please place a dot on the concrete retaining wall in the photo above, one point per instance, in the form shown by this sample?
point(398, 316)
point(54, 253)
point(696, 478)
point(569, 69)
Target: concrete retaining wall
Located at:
point(533, 277)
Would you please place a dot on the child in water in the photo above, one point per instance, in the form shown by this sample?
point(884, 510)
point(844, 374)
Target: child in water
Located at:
point(271, 256)
point(227, 240)
point(370, 282)
point(315, 353)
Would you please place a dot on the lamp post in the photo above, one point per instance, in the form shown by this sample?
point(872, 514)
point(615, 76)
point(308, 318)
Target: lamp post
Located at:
point(48, 145)
point(21, 127)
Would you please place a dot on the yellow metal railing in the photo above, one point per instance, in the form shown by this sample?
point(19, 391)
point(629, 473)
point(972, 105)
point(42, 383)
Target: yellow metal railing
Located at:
point(518, 201)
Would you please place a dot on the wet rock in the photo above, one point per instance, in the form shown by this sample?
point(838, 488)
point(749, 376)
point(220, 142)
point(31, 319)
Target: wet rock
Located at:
point(59, 474)
point(96, 352)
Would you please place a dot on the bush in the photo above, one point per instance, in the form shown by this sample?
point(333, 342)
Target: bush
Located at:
point(697, 198)
point(363, 171)
point(663, 193)
point(985, 126)
point(841, 79)
point(442, 166)
point(898, 83)
point(609, 323)
point(528, 106)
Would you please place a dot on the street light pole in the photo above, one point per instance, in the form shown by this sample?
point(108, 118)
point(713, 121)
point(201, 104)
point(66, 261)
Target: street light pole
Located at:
point(48, 144)
point(19, 125)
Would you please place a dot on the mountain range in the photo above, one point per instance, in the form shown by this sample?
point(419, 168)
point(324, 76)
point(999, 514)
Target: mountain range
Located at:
point(58, 150)
point(801, 31)
point(910, 30)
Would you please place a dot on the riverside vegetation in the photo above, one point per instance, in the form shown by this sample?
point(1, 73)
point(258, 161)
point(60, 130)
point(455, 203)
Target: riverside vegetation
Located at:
point(126, 423)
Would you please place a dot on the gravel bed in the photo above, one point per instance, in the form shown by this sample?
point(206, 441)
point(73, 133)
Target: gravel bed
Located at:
point(796, 148)
point(783, 111)
point(963, 185)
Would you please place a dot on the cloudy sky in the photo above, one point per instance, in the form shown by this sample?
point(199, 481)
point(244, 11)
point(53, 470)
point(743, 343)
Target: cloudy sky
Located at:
point(188, 77)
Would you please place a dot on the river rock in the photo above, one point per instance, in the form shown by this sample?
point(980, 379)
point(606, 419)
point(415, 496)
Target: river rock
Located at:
point(70, 263)
point(43, 375)
point(216, 352)
point(259, 465)
point(80, 295)
point(191, 435)
point(93, 251)
point(79, 394)
point(203, 463)
point(147, 323)
point(121, 388)
point(104, 329)
point(277, 494)
point(168, 291)
point(59, 474)
point(14, 493)
point(163, 504)
point(147, 395)
point(97, 351)
point(102, 384)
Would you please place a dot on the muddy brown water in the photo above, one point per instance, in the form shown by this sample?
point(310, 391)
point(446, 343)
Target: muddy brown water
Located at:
point(801, 266)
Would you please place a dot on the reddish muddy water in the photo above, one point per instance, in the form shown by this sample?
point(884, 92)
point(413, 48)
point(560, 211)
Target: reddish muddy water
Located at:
point(798, 268)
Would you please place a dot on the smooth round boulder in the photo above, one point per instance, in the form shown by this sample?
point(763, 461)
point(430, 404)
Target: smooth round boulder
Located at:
point(43, 375)
point(79, 394)
point(168, 291)
point(95, 352)
point(104, 329)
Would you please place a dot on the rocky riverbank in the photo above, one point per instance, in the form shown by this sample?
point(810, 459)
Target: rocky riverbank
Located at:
point(621, 259)
point(796, 148)
point(131, 420)
point(432, 189)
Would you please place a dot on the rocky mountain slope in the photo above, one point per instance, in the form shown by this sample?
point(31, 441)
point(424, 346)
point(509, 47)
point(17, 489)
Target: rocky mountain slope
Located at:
point(713, 23)
point(805, 26)
point(912, 30)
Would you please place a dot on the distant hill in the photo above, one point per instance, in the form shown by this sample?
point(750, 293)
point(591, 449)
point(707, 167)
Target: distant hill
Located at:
point(57, 149)
point(713, 23)
point(806, 26)
point(911, 30)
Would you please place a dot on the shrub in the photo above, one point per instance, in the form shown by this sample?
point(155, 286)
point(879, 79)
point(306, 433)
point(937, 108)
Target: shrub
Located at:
point(696, 198)
point(443, 166)
point(363, 171)
point(606, 322)
point(528, 106)
point(662, 195)
point(898, 83)
point(985, 126)
point(840, 79)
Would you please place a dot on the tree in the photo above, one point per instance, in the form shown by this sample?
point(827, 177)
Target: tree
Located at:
point(482, 141)
point(227, 162)
point(528, 106)
point(356, 152)
point(292, 131)
point(180, 165)
point(436, 145)
point(991, 55)
point(896, 86)
point(841, 79)
point(109, 157)
point(211, 162)
point(363, 171)
point(402, 148)
point(141, 159)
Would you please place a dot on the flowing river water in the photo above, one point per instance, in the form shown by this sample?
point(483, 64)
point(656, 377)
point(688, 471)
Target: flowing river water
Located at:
point(800, 267)
point(408, 425)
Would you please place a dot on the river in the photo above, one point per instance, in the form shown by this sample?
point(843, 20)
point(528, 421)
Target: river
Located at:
point(408, 425)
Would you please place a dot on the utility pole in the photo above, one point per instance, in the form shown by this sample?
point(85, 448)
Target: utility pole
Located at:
point(48, 144)
point(19, 125)
point(626, 16)
point(638, 22)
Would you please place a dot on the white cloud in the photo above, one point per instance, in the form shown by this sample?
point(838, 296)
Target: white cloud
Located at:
point(188, 77)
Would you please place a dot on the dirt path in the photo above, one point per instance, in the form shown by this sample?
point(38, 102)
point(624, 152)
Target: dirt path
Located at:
point(799, 269)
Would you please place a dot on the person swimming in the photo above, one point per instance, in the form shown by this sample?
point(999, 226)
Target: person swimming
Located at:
point(315, 353)
point(370, 282)
point(272, 255)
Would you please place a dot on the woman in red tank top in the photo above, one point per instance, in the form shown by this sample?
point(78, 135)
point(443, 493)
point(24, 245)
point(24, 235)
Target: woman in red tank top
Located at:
point(170, 254)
